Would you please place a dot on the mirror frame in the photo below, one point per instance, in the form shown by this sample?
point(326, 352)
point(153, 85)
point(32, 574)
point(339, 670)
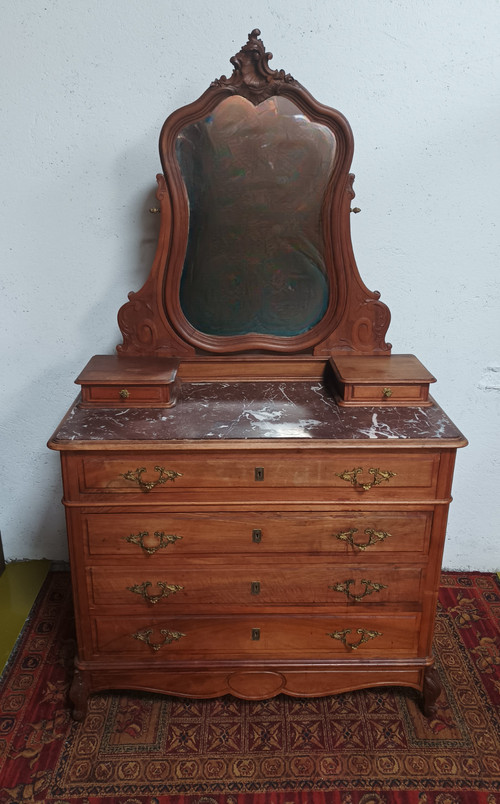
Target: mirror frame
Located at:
point(152, 322)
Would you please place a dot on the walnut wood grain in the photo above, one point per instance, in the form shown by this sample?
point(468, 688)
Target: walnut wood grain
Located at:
point(254, 535)
point(206, 589)
point(222, 472)
point(280, 636)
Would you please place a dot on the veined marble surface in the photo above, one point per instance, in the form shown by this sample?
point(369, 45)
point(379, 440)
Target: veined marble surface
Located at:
point(256, 410)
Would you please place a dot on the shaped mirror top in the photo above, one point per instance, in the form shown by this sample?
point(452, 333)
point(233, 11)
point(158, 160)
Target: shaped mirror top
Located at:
point(254, 252)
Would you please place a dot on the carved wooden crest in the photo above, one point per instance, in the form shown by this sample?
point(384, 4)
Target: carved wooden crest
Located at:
point(252, 77)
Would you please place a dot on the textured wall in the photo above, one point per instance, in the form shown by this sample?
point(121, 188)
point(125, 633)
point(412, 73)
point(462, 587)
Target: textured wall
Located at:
point(86, 87)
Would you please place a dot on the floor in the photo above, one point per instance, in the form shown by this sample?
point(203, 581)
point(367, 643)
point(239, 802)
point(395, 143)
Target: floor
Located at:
point(19, 585)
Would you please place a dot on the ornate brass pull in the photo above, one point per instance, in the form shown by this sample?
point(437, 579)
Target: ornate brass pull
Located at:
point(164, 539)
point(169, 636)
point(167, 589)
point(124, 393)
point(378, 476)
point(375, 536)
point(370, 587)
point(165, 474)
point(365, 637)
point(387, 392)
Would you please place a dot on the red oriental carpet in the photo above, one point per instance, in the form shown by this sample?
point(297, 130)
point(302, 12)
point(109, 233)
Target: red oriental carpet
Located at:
point(369, 747)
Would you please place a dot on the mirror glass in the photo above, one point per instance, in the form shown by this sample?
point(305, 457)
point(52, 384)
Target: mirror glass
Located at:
point(255, 178)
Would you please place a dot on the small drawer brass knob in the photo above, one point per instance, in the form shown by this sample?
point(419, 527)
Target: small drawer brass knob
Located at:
point(387, 392)
point(124, 393)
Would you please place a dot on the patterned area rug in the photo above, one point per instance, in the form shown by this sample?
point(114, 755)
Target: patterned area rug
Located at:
point(368, 747)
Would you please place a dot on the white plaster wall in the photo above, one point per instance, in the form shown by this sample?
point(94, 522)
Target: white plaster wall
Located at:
point(85, 89)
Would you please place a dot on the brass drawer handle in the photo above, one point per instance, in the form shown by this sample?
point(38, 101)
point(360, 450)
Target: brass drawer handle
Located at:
point(167, 589)
point(165, 474)
point(387, 392)
point(345, 587)
point(378, 476)
point(124, 393)
point(169, 636)
point(164, 539)
point(375, 536)
point(365, 637)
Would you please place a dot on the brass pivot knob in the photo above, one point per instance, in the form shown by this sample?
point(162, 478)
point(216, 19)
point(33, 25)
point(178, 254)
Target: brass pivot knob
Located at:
point(154, 210)
point(355, 210)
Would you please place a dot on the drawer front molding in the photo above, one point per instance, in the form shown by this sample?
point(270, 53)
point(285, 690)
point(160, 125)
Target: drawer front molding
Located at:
point(258, 533)
point(242, 637)
point(186, 476)
point(257, 587)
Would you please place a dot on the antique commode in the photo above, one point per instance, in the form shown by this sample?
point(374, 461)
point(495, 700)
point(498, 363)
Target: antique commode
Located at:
point(256, 490)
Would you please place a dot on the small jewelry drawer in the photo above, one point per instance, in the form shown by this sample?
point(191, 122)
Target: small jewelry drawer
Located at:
point(381, 380)
point(129, 396)
point(109, 381)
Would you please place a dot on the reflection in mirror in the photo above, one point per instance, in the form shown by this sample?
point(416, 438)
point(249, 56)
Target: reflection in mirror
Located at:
point(255, 179)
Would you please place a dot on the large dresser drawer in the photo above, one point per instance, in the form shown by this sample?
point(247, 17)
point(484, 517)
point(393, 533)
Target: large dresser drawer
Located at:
point(179, 589)
point(148, 538)
point(239, 637)
point(271, 475)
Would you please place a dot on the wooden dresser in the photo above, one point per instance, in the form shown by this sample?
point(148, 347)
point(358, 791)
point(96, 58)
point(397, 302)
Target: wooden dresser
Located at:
point(235, 525)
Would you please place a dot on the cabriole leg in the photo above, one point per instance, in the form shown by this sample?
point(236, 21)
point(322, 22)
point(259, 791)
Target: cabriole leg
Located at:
point(79, 695)
point(431, 691)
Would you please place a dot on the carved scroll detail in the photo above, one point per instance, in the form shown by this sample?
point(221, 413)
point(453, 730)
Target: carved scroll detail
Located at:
point(142, 321)
point(252, 77)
